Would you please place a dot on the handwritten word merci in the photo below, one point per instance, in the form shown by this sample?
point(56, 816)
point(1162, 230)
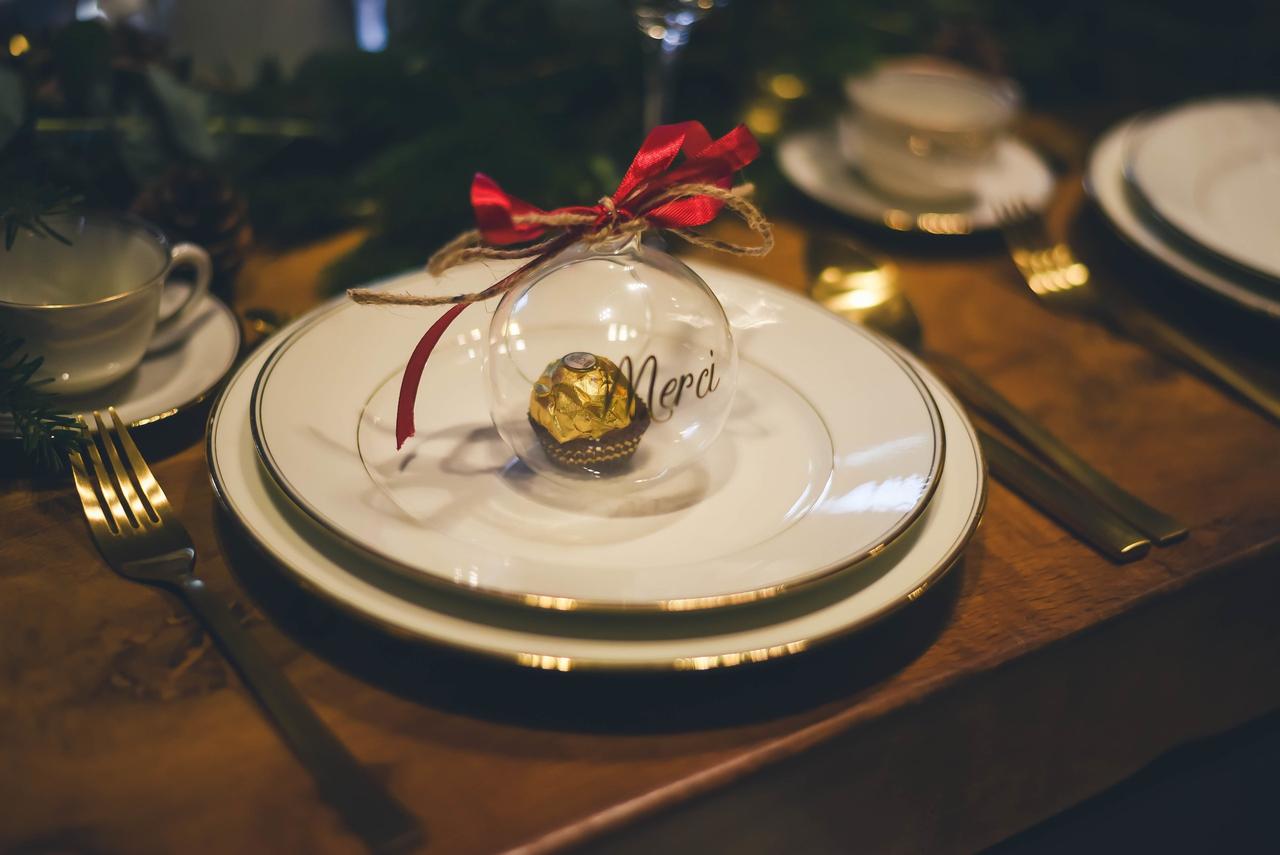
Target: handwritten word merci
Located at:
point(672, 391)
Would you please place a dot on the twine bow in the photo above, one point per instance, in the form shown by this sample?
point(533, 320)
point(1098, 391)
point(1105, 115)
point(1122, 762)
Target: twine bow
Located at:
point(652, 194)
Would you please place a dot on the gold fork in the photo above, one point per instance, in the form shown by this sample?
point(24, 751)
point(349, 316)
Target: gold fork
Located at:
point(142, 539)
point(1054, 275)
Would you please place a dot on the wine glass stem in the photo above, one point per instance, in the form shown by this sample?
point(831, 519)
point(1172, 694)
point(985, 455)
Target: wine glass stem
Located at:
point(660, 65)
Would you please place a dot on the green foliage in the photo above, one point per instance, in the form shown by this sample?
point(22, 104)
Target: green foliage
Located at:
point(544, 95)
point(13, 104)
point(26, 201)
point(185, 112)
point(102, 112)
point(46, 434)
point(82, 60)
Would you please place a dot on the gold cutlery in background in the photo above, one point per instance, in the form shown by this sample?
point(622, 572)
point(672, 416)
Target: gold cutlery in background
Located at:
point(1155, 524)
point(857, 285)
point(1076, 510)
point(1061, 281)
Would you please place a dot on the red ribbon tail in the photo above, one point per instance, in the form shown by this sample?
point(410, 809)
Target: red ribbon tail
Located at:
point(413, 373)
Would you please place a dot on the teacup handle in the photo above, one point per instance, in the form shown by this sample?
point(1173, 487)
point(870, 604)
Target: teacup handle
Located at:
point(188, 255)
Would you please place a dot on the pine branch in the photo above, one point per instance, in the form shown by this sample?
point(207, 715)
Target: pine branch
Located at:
point(47, 435)
point(25, 203)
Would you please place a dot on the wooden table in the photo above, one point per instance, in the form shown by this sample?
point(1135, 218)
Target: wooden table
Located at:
point(1036, 675)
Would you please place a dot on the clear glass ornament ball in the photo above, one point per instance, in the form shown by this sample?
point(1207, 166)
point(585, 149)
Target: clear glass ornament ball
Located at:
point(613, 363)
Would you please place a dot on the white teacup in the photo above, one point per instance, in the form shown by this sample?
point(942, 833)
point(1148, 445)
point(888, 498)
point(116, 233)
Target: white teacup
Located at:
point(925, 130)
point(91, 308)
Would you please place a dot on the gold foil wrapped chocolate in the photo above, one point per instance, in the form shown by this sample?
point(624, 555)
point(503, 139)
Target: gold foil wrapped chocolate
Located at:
point(585, 414)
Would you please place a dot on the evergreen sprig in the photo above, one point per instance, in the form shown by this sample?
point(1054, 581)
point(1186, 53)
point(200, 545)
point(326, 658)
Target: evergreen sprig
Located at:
point(47, 435)
point(26, 203)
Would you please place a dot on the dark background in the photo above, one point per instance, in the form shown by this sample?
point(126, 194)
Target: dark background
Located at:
point(542, 94)
point(242, 124)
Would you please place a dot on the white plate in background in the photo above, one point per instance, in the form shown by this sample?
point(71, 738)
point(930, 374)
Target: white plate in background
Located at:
point(1105, 182)
point(1210, 170)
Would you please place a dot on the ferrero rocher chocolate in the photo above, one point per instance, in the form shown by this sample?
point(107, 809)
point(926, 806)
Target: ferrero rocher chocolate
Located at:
point(584, 412)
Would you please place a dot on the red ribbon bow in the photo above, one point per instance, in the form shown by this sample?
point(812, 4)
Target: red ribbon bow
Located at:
point(650, 174)
point(498, 215)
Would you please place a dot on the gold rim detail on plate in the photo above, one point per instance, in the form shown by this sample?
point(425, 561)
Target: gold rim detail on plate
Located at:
point(561, 603)
point(543, 661)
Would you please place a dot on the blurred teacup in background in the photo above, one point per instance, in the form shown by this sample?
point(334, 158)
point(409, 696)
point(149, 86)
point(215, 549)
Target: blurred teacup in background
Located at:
point(924, 129)
point(90, 308)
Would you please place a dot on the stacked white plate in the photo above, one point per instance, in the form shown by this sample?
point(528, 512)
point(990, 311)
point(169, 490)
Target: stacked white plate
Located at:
point(1197, 187)
point(846, 483)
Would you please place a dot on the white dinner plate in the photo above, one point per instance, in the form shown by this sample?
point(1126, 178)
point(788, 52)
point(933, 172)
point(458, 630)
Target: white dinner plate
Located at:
point(180, 369)
point(363, 586)
point(1105, 182)
point(832, 448)
point(1210, 169)
point(811, 160)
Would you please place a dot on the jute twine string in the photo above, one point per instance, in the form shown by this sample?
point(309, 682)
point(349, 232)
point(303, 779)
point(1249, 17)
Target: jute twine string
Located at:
point(593, 227)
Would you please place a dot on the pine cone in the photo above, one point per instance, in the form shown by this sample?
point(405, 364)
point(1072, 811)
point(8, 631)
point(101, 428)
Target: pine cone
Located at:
point(192, 203)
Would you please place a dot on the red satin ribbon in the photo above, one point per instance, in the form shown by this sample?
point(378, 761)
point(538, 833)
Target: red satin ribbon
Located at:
point(650, 174)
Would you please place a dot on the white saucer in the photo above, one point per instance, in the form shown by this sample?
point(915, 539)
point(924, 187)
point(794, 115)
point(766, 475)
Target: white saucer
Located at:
point(811, 160)
point(832, 449)
point(1210, 169)
point(563, 640)
point(1105, 182)
point(179, 371)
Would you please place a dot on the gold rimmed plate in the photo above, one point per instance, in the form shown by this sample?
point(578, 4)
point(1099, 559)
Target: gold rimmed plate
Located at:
point(1207, 171)
point(1105, 182)
point(833, 448)
point(384, 596)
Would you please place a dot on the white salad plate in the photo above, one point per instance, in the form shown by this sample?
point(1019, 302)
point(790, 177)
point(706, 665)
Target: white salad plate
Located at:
point(180, 369)
point(811, 160)
point(832, 449)
point(1210, 170)
point(368, 588)
point(1105, 182)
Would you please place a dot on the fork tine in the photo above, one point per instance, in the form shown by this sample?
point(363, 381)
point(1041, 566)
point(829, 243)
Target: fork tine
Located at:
point(1038, 231)
point(107, 489)
point(1047, 265)
point(1021, 224)
point(98, 519)
point(1024, 249)
point(1008, 223)
point(139, 510)
point(156, 499)
point(1063, 271)
point(1039, 228)
point(1012, 224)
point(153, 497)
